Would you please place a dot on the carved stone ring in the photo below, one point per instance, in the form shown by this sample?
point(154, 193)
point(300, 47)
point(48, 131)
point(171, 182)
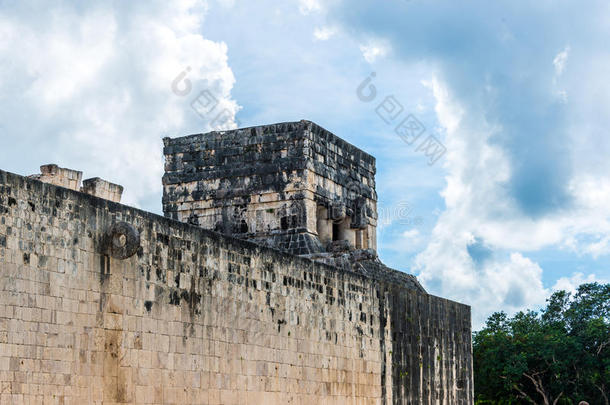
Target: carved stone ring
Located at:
point(122, 240)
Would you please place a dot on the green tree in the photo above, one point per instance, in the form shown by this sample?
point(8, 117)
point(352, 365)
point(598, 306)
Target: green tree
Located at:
point(560, 355)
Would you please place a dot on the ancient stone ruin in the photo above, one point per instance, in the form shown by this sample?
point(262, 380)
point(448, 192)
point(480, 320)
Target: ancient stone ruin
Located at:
point(261, 285)
point(71, 179)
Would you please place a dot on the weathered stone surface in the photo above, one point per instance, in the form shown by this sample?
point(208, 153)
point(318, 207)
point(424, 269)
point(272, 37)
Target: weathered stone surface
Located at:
point(68, 178)
point(60, 176)
point(319, 202)
point(200, 318)
point(121, 241)
point(103, 189)
point(293, 186)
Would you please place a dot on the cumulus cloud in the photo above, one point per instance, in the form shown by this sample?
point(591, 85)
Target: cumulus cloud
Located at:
point(509, 284)
point(91, 86)
point(571, 283)
point(519, 175)
point(466, 257)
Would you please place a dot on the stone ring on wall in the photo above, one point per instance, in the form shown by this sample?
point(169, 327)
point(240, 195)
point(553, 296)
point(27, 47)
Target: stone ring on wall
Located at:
point(122, 240)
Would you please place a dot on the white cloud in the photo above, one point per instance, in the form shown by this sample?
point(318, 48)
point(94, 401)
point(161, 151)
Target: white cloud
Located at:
point(508, 284)
point(477, 208)
point(599, 247)
point(226, 3)
point(571, 283)
point(309, 6)
point(95, 82)
point(324, 33)
point(524, 170)
point(560, 60)
point(411, 234)
point(374, 49)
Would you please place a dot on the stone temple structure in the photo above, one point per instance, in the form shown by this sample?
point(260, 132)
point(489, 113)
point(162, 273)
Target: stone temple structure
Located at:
point(260, 285)
point(292, 186)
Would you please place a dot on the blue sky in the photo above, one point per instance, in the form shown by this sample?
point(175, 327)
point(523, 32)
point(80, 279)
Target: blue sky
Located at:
point(516, 92)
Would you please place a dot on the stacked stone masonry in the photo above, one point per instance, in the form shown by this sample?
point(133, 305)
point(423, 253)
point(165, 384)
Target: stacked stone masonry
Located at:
point(71, 179)
point(59, 176)
point(195, 317)
point(103, 189)
point(294, 186)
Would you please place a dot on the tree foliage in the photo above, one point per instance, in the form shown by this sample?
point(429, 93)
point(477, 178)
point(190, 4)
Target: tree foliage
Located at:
point(560, 355)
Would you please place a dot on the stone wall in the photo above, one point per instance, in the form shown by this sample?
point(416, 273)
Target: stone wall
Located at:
point(103, 189)
point(194, 317)
point(343, 184)
point(282, 185)
point(59, 176)
point(69, 178)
